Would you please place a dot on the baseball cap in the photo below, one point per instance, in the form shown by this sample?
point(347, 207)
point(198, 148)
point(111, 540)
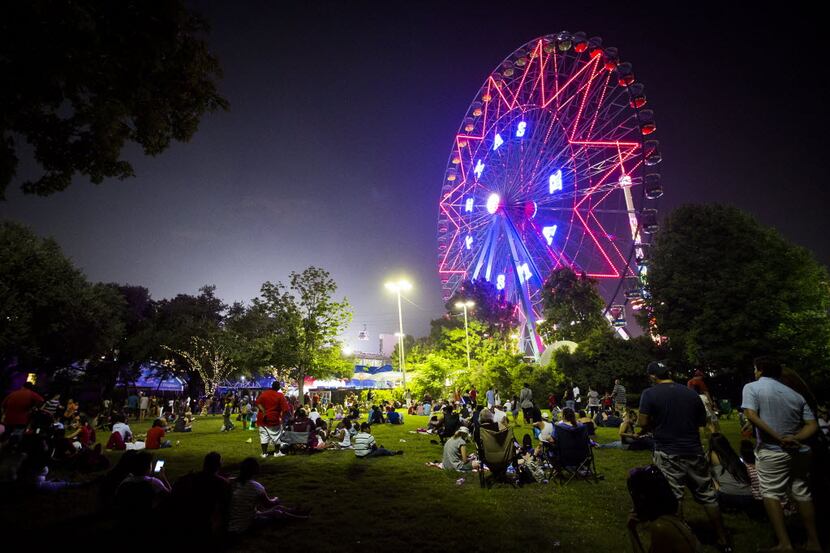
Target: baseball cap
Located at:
point(658, 369)
point(463, 430)
point(545, 416)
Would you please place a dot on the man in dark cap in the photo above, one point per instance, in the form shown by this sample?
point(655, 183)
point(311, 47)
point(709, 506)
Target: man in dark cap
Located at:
point(674, 414)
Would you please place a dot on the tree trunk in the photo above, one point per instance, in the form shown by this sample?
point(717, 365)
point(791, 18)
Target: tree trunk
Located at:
point(300, 384)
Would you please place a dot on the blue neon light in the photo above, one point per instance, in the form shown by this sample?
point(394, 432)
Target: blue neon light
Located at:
point(469, 241)
point(520, 129)
point(479, 168)
point(497, 141)
point(468, 205)
point(548, 233)
point(500, 282)
point(524, 272)
point(555, 181)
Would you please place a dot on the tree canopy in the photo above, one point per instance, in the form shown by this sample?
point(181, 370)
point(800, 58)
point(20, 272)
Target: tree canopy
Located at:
point(724, 289)
point(83, 78)
point(571, 307)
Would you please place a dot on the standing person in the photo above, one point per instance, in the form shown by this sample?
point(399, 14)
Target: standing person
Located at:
point(699, 386)
point(593, 402)
point(271, 406)
point(143, 406)
point(473, 394)
point(496, 397)
point(551, 401)
point(783, 422)
point(514, 408)
point(227, 424)
point(407, 397)
point(132, 404)
point(577, 396)
point(569, 399)
point(618, 393)
point(526, 403)
point(490, 394)
point(675, 414)
point(18, 406)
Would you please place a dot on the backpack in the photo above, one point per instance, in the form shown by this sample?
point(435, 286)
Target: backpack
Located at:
point(650, 492)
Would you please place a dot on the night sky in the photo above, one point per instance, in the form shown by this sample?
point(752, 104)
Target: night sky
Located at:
point(343, 114)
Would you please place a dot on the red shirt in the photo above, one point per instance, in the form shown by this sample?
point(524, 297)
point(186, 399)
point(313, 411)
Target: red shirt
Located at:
point(154, 436)
point(273, 404)
point(698, 385)
point(18, 405)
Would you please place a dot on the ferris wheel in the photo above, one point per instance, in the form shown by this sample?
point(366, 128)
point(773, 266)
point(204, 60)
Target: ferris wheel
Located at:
point(553, 166)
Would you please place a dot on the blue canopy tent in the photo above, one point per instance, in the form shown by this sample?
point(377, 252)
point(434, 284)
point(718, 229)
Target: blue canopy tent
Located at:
point(151, 378)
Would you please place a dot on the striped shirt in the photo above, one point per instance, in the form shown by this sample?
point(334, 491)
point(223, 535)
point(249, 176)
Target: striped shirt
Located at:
point(51, 406)
point(363, 443)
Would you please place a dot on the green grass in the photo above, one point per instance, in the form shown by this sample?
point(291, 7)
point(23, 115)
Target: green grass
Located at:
point(399, 502)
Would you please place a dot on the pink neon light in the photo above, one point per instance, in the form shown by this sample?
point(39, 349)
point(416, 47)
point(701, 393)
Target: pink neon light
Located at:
point(584, 99)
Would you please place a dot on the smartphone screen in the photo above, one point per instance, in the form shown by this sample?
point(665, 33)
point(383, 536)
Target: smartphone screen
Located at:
point(159, 465)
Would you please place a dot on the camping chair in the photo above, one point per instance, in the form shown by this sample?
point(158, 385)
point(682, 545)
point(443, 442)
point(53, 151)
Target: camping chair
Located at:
point(295, 441)
point(498, 453)
point(572, 456)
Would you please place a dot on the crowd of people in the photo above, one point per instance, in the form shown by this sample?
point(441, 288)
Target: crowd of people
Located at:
point(768, 473)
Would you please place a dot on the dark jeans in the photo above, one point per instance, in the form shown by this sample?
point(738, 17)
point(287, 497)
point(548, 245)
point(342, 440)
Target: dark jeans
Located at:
point(380, 452)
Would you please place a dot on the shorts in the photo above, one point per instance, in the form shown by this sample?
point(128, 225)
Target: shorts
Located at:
point(688, 470)
point(783, 473)
point(270, 434)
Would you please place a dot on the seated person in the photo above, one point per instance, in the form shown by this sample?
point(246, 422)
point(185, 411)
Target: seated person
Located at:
point(183, 424)
point(630, 437)
point(455, 453)
point(375, 415)
point(155, 436)
point(611, 420)
point(731, 476)
point(140, 492)
point(250, 503)
point(451, 423)
point(434, 425)
point(427, 408)
point(121, 434)
point(342, 437)
point(203, 498)
point(393, 417)
point(656, 506)
point(583, 418)
point(365, 445)
point(545, 429)
point(300, 422)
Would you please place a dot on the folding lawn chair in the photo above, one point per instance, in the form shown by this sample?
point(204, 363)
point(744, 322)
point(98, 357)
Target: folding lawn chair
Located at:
point(572, 455)
point(296, 441)
point(498, 453)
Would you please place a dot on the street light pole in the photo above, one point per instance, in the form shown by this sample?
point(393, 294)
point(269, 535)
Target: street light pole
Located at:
point(464, 305)
point(398, 287)
point(400, 344)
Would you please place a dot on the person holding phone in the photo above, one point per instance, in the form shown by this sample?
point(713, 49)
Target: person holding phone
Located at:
point(144, 488)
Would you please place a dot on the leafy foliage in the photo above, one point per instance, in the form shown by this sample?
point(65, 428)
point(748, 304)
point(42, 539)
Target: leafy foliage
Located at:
point(602, 357)
point(209, 358)
point(83, 78)
point(571, 307)
point(305, 323)
point(725, 289)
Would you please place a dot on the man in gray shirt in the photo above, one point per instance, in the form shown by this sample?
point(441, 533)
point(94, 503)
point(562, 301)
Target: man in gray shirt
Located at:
point(783, 421)
point(526, 403)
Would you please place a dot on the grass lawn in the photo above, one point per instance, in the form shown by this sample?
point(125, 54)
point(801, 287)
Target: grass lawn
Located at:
point(400, 503)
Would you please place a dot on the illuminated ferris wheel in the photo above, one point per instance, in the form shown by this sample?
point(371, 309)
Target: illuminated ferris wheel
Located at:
point(553, 166)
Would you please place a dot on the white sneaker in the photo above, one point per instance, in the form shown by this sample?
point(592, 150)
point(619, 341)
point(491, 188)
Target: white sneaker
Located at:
point(279, 454)
point(264, 455)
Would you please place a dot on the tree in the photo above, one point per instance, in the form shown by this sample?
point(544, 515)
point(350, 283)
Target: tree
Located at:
point(603, 356)
point(51, 315)
point(306, 321)
point(209, 358)
point(491, 307)
point(571, 307)
point(83, 78)
point(725, 288)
